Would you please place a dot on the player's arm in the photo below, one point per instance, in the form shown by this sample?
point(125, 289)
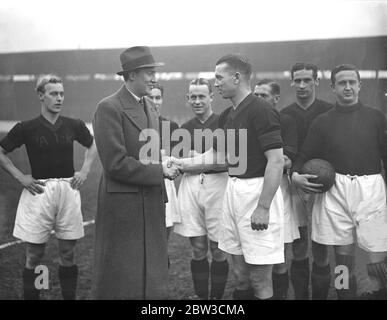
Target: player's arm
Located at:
point(309, 150)
point(209, 160)
point(272, 180)
point(81, 175)
point(27, 181)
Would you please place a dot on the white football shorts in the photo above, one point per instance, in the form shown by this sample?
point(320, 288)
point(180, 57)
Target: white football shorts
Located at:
point(353, 203)
point(237, 236)
point(58, 208)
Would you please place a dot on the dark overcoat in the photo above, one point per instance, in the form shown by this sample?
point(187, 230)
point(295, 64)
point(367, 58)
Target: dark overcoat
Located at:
point(130, 251)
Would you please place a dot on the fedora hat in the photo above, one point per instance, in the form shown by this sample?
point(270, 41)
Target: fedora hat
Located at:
point(137, 57)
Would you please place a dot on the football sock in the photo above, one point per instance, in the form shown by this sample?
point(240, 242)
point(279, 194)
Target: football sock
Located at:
point(30, 291)
point(219, 273)
point(299, 275)
point(321, 279)
point(280, 285)
point(200, 277)
point(68, 277)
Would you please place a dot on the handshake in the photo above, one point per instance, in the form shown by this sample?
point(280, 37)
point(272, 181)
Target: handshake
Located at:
point(172, 167)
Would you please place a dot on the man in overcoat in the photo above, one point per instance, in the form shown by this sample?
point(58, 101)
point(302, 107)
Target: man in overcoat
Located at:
point(130, 254)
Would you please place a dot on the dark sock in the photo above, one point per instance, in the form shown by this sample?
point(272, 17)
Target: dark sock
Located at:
point(68, 277)
point(200, 275)
point(299, 275)
point(30, 291)
point(219, 273)
point(247, 294)
point(280, 285)
point(378, 271)
point(321, 279)
point(349, 262)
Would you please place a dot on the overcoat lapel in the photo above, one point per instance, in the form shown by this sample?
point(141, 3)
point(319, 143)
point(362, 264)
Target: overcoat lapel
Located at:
point(154, 122)
point(132, 109)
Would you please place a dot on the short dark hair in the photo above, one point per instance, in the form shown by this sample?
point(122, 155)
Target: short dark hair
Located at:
point(160, 87)
point(237, 62)
point(201, 82)
point(44, 79)
point(275, 87)
point(304, 66)
point(343, 67)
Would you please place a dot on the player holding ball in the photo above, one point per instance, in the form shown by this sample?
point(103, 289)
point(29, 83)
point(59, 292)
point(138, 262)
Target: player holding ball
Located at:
point(352, 138)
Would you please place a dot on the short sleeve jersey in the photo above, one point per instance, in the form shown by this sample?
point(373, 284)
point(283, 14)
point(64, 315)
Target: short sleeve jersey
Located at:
point(304, 117)
point(49, 146)
point(262, 123)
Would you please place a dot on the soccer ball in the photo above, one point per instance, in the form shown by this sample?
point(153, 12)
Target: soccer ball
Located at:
point(323, 170)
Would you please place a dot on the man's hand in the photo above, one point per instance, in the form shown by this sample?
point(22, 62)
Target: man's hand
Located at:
point(301, 181)
point(260, 218)
point(78, 179)
point(171, 168)
point(31, 184)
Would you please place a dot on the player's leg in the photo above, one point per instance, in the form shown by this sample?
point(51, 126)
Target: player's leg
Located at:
point(34, 221)
point(377, 272)
point(261, 281)
point(192, 225)
point(371, 231)
point(218, 270)
point(68, 228)
point(345, 257)
point(68, 270)
point(299, 268)
point(169, 230)
point(34, 255)
point(243, 290)
point(280, 278)
point(280, 271)
point(321, 274)
point(199, 266)
point(212, 196)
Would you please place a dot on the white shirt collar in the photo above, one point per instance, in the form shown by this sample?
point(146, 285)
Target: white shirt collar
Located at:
point(135, 96)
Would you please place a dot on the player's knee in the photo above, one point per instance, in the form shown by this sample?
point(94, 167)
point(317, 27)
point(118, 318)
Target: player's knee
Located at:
point(242, 278)
point(199, 251)
point(34, 254)
point(67, 256)
point(320, 254)
point(217, 254)
point(300, 248)
point(261, 282)
point(280, 268)
point(33, 259)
